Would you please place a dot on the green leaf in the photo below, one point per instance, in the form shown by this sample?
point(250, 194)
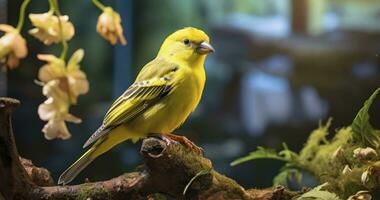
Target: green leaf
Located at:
point(200, 173)
point(318, 194)
point(361, 127)
point(260, 153)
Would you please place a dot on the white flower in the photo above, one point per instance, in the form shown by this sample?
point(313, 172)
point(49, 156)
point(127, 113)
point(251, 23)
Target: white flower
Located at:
point(47, 27)
point(72, 80)
point(12, 46)
point(109, 26)
point(55, 110)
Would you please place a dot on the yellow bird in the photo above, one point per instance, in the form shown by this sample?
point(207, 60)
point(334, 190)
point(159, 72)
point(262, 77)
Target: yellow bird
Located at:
point(165, 92)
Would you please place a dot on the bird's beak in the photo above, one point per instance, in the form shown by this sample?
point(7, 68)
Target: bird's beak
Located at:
point(205, 48)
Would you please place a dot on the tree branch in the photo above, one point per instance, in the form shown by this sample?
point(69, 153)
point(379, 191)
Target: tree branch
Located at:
point(12, 174)
point(167, 170)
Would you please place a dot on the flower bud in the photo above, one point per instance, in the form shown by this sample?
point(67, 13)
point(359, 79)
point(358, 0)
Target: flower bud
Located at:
point(365, 177)
point(12, 46)
point(361, 195)
point(337, 153)
point(109, 26)
point(346, 170)
point(365, 153)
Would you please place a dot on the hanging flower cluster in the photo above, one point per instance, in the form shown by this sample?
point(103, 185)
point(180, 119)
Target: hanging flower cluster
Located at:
point(62, 82)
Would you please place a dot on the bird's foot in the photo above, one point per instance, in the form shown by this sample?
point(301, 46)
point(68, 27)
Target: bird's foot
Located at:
point(167, 140)
point(171, 139)
point(184, 141)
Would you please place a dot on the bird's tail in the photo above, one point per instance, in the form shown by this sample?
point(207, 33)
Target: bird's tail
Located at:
point(69, 174)
point(101, 146)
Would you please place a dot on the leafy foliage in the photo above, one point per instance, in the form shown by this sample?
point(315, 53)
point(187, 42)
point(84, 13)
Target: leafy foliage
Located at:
point(361, 127)
point(289, 171)
point(340, 161)
point(318, 194)
point(260, 153)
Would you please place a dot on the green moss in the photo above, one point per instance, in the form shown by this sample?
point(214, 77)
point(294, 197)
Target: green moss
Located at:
point(327, 159)
point(330, 154)
point(157, 196)
point(232, 189)
point(313, 144)
point(87, 190)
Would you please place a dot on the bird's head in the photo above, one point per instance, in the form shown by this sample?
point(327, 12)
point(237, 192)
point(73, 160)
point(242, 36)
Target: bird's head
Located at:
point(187, 45)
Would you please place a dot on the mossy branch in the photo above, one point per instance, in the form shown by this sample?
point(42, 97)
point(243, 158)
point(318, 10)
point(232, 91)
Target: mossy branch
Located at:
point(167, 170)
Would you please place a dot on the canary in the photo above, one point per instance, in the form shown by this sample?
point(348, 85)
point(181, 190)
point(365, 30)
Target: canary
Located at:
point(165, 92)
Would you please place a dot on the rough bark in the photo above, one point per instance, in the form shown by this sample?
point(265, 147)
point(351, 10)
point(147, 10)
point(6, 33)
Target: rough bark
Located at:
point(167, 169)
point(12, 174)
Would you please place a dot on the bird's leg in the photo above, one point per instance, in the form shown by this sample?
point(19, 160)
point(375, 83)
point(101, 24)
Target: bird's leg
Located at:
point(184, 141)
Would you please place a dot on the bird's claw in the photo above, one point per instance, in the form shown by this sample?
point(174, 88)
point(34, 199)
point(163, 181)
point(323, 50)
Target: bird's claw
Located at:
point(171, 139)
point(184, 141)
point(162, 137)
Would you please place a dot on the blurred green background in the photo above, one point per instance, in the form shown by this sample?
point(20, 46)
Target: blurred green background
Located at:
point(280, 67)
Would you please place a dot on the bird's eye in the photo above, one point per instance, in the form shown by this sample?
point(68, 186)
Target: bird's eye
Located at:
point(186, 41)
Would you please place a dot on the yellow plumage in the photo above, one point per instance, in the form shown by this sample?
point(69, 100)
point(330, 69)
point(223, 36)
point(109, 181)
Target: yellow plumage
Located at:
point(163, 95)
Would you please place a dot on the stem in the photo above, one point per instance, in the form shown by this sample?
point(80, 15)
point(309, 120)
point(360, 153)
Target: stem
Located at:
point(64, 49)
point(51, 6)
point(98, 4)
point(21, 17)
point(54, 3)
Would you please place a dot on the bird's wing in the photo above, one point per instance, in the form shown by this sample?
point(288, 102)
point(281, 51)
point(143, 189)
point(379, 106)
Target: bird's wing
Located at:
point(136, 99)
